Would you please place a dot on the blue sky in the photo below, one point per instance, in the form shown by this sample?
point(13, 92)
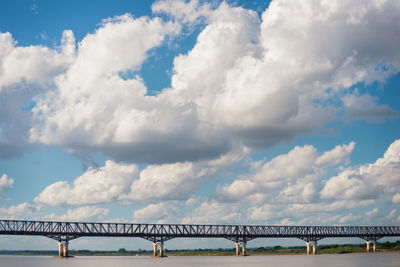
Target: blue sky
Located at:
point(173, 111)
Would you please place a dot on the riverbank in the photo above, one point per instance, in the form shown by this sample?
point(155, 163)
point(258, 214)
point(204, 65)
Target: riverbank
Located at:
point(276, 250)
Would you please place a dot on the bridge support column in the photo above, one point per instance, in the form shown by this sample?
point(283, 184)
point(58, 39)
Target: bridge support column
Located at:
point(161, 254)
point(308, 247)
point(369, 243)
point(243, 246)
point(63, 249)
point(155, 248)
point(60, 249)
point(314, 246)
point(158, 250)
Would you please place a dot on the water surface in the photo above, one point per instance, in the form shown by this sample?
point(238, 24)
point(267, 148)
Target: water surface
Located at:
point(334, 260)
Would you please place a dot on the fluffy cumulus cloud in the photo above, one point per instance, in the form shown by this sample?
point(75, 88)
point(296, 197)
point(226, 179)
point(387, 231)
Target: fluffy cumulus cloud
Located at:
point(303, 186)
point(373, 212)
point(126, 184)
point(168, 182)
point(19, 211)
point(161, 212)
point(292, 188)
point(26, 72)
point(96, 185)
point(185, 11)
point(93, 99)
point(365, 107)
point(281, 70)
point(290, 183)
point(5, 183)
point(368, 181)
point(294, 175)
point(336, 155)
point(33, 64)
point(80, 214)
point(214, 212)
point(396, 198)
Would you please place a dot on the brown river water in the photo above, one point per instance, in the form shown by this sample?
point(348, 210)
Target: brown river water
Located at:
point(336, 260)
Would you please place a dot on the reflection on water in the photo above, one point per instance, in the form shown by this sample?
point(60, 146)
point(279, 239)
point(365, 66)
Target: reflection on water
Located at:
point(342, 260)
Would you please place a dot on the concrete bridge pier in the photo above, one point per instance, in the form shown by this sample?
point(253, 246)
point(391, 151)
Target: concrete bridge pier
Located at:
point(60, 249)
point(369, 245)
point(243, 246)
point(63, 249)
point(158, 250)
point(314, 247)
point(312, 244)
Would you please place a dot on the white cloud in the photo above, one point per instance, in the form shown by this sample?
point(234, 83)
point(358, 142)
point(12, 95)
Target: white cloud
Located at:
point(287, 221)
point(270, 88)
point(193, 200)
point(372, 213)
point(214, 212)
point(26, 72)
point(396, 198)
point(295, 188)
point(366, 107)
point(113, 115)
point(318, 212)
point(237, 191)
point(5, 183)
point(124, 183)
point(168, 181)
point(186, 11)
point(33, 64)
point(161, 212)
point(336, 155)
point(96, 185)
point(349, 218)
point(296, 163)
point(296, 194)
point(265, 212)
point(348, 186)
point(80, 214)
point(327, 37)
point(367, 181)
point(292, 177)
point(15, 122)
point(20, 211)
point(392, 214)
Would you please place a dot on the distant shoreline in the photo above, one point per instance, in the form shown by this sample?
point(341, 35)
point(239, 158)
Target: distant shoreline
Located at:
point(276, 250)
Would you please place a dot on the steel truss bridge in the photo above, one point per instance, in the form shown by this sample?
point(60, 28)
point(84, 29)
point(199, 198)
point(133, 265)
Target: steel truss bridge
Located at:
point(158, 233)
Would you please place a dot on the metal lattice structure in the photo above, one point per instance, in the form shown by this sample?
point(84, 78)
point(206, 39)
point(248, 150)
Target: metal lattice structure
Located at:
point(64, 231)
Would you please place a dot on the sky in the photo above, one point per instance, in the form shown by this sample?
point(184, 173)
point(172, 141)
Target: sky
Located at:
point(277, 112)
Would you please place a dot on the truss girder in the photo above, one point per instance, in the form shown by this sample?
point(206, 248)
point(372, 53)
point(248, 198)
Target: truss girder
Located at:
point(163, 232)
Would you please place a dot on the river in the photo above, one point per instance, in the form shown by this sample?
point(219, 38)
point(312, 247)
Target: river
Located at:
point(334, 260)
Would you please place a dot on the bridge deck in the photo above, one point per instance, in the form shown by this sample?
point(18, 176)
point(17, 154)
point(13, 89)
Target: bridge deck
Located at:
point(162, 232)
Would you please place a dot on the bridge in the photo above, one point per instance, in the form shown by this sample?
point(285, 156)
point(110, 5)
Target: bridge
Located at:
point(63, 232)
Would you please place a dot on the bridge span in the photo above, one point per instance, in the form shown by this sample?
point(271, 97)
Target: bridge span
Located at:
point(63, 232)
